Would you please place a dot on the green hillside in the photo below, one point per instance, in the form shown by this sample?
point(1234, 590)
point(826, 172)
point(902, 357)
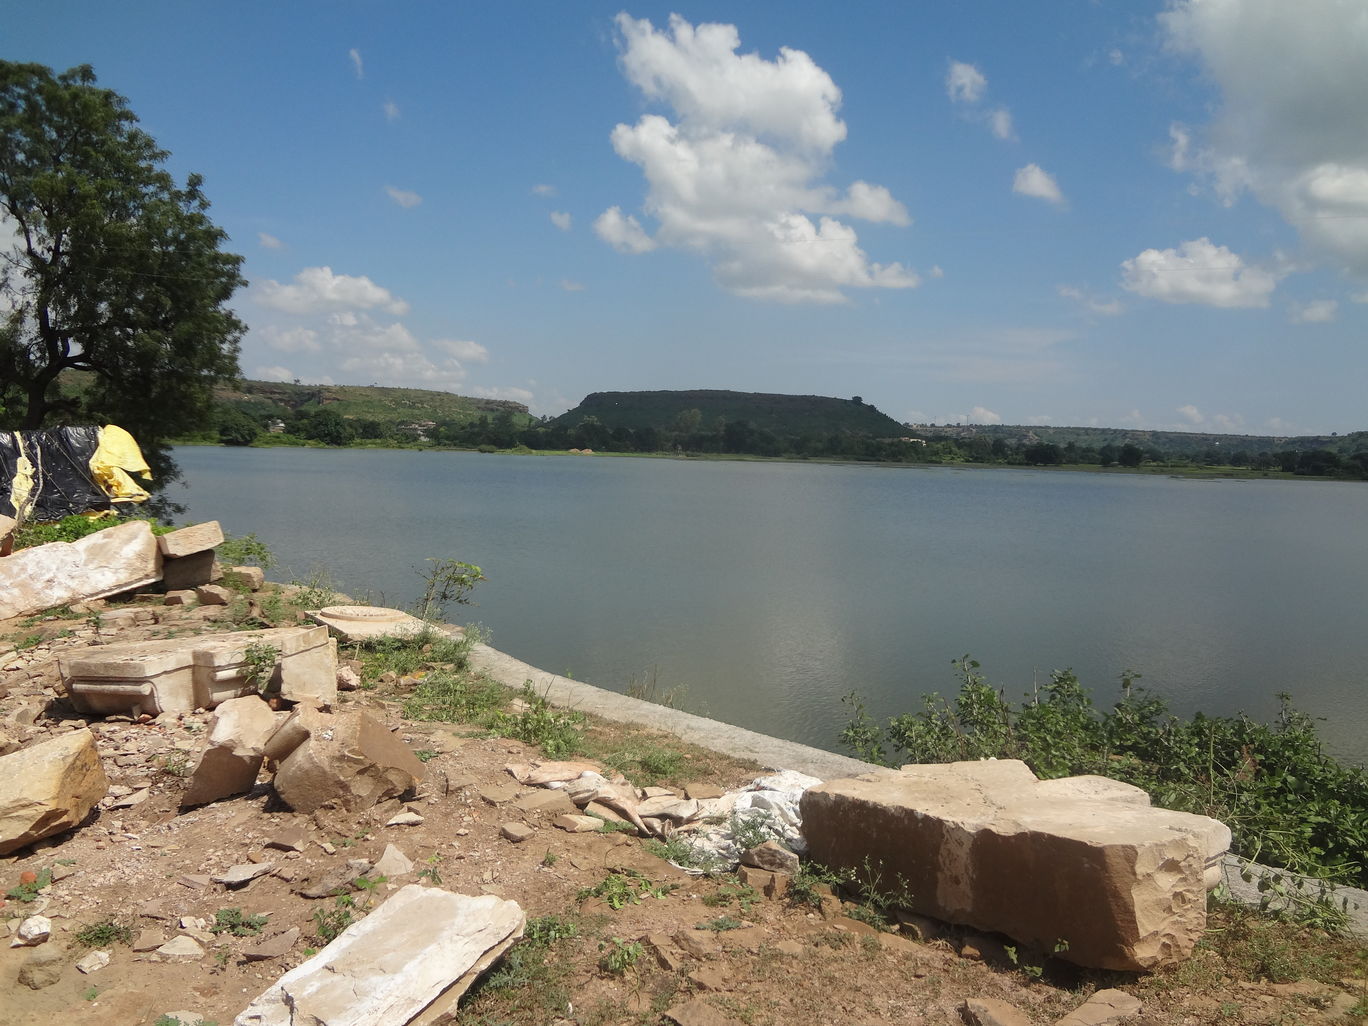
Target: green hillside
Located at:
point(784, 415)
point(363, 402)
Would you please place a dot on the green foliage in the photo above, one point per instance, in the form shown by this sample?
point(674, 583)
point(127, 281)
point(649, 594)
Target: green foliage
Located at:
point(68, 529)
point(232, 920)
point(258, 665)
point(329, 922)
point(618, 890)
point(118, 270)
point(547, 930)
point(558, 733)
point(28, 892)
point(105, 933)
point(447, 580)
point(751, 827)
point(619, 955)
point(721, 924)
point(246, 550)
point(743, 894)
point(686, 854)
point(645, 765)
point(1288, 802)
point(813, 882)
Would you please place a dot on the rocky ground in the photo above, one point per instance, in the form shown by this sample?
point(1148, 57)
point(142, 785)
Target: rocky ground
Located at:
point(615, 933)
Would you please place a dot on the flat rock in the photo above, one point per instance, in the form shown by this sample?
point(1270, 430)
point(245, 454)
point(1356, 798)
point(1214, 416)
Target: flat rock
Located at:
point(516, 832)
point(393, 863)
point(189, 540)
point(93, 962)
point(416, 953)
point(771, 855)
point(107, 562)
point(986, 844)
point(578, 824)
point(272, 947)
point(149, 940)
point(181, 947)
point(48, 788)
point(237, 876)
point(983, 1011)
point(352, 760)
point(238, 732)
point(699, 1012)
point(1105, 1008)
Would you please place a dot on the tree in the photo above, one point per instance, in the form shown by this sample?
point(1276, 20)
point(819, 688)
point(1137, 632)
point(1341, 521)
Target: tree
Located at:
point(114, 270)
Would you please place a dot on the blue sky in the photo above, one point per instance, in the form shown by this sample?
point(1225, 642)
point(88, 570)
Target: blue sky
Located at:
point(1113, 213)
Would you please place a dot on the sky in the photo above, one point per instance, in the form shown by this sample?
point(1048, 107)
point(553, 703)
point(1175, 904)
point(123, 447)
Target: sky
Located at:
point(1116, 213)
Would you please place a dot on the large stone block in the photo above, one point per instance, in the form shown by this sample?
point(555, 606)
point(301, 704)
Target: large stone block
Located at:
point(184, 572)
point(189, 540)
point(352, 761)
point(409, 961)
point(1083, 860)
point(236, 749)
point(183, 674)
point(48, 788)
point(111, 561)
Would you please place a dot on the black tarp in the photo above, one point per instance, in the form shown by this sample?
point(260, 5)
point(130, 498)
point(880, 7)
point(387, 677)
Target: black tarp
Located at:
point(63, 483)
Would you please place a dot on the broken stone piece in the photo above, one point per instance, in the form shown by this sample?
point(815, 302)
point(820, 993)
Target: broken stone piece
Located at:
point(32, 931)
point(362, 623)
point(238, 733)
point(272, 947)
point(516, 832)
point(353, 761)
point(1119, 881)
point(93, 962)
point(393, 863)
point(181, 947)
point(237, 876)
point(981, 1011)
point(404, 819)
point(213, 595)
point(107, 562)
point(189, 540)
point(253, 578)
point(771, 855)
point(415, 954)
point(578, 824)
point(1104, 1008)
point(43, 968)
point(48, 788)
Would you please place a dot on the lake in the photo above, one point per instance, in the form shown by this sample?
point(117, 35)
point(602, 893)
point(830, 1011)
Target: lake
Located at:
point(768, 590)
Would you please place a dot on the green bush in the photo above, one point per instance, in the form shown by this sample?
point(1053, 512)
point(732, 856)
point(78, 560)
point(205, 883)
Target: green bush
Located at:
point(1288, 802)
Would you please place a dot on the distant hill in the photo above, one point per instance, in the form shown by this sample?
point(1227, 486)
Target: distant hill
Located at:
point(369, 402)
point(785, 415)
point(1176, 443)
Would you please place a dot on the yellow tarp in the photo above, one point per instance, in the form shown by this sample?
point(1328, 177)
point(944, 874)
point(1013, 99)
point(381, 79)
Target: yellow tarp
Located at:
point(115, 459)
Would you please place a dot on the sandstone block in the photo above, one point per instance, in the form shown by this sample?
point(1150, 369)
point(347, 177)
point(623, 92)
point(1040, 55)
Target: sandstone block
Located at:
point(108, 562)
point(363, 623)
point(48, 788)
point(988, 845)
point(411, 959)
point(43, 968)
point(189, 540)
point(185, 572)
point(238, 733)
point(771, 855)
point(516, 832)
point(1105, 1008)
point(213, 595)
point(250, 577)
point(353, 761)
point(578, 824)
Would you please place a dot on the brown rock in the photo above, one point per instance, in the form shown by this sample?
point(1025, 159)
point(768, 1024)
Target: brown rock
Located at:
point(516, 832)
point(772, 856)
point(213, 595)
point(43, 968)
point(238, 733)
point(189, 540)
point(252, 578)
point(709, 978)
point(114, 560)
point(578, 824)
point(48, 788)
point(189, 572)
point(992, 1012)
point(360, 765)
point(272, 947)
point(1121, 882)
point(699, 1012)
point(551, 802)
point(1105, 1008)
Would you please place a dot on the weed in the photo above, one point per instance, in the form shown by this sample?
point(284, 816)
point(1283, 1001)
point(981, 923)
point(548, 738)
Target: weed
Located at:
point(877, 900)
point(425, 754)
point(814, 881)
point(105, 933)
point(646, 766)
point(231, 920)
point(721, 924)
point(27, 892)
point(524, 978)
point(650, 691)
point(246, 550)
point(331, 922)
point(258, 665)
point(620, 955)
point(743, 894)
point(91, 993)
point(447, 580)
point(315, 592)
point(616, 826)
point(751, 827)
point(550, 858)
point(687, 855)
point(618, 890)
point(557, 733)
point(549, 929)
point(174, 763)
point(28, 641)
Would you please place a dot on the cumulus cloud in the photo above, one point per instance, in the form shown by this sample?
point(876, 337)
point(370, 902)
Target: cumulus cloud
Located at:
point(466, 351)
point(571, 286)
point(623, 233)
point(1031, 180)
point(1000, 123)
point(1106, 307)
point(291, 340)
point(1318, 311)
point(269, 241)
point(391, 110)
point(964, 83)
point(403, 197)
point(1193, 417)
point(983, 415)
point(543, 190)
point(1198, 271)
point(518, 395)
point(318, 290)
point(273, 373)
point(561, 220)
point(735, 176)
point(1291, 127)
point(355, 55)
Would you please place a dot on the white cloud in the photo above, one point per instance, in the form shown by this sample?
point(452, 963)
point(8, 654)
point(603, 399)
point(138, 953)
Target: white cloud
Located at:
point(1031, 180)
point(543, 190)
point(1291, 127)
point(391, 110)
point(561, 220)
point(1000, 123)
point(1217, 422)
point(1191, 414)
point(964, 83)
point(357, 66)
point(982, 415)
point(936, 272)
point(1198, 271)
point(571, 286)
point(518, 395)
point(735, 176)
point(269, 241)
point(273, 373)
point(318, 290)
point(1318, 311)
point(291, 340)
point(1116, 57)
point(403, 197)
point(624, 234)
point(1359, 297)
point(468, 352)
point(1106, 307)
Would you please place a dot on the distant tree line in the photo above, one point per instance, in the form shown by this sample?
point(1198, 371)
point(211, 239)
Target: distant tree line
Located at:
point(240, 424)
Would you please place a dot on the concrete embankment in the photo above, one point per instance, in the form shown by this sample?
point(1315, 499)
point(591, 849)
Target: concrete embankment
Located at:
point(721, 737)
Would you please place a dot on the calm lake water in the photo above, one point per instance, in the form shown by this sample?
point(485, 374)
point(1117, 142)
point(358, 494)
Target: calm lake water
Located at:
point(769, 590)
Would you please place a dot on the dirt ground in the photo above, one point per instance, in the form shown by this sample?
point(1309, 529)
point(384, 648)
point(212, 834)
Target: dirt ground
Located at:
point(700, 949)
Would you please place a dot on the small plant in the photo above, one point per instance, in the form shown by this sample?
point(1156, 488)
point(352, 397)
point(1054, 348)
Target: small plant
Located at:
point(329, 923)
point(721, 924)
point(91, 993)
point(743, 894)
point(258, 665)
point(751, 827)
point(425, 755)
point(447, 580)
point(616, 826)
point(813, 881)
point(175, 763)
point(549, 929)
point(104, 934)
point(231, 920)
point(686, 854)
point(620, 955)
point(618, 890)
point(550, 858)
point(246, 550)
point(557, 733)
point(28, 892)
